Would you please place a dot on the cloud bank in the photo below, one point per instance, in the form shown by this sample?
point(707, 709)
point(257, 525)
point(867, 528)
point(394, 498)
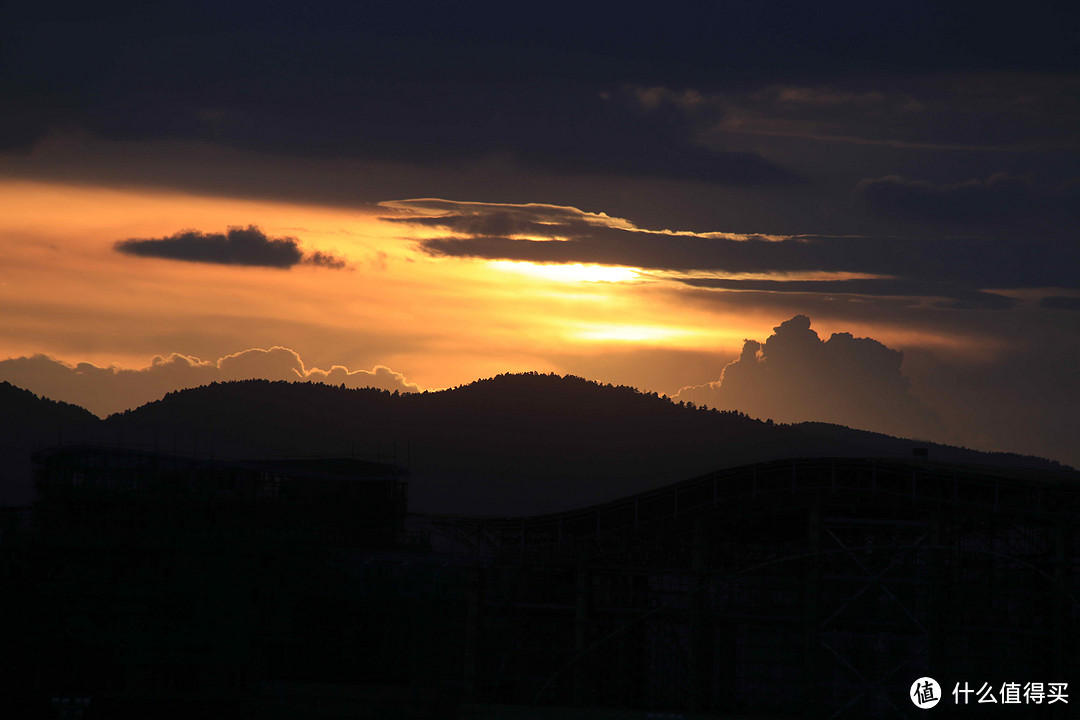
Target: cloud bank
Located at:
point(962, 270)
point(795, 376)
point(1001, 197)
point(106, 390)
point(954, 111)
point(237, 246)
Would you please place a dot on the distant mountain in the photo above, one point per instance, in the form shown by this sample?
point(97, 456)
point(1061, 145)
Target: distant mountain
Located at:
point(29, 422)
point(23, 408)
point(512, 444)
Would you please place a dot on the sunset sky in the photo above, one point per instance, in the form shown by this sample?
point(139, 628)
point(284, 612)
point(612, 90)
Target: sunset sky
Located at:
point(418, 195)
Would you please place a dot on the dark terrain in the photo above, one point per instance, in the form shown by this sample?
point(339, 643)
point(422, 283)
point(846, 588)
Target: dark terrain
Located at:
point(513, 444)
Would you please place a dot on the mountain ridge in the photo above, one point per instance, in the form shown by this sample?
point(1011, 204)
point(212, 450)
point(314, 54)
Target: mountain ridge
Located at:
point(510, 444)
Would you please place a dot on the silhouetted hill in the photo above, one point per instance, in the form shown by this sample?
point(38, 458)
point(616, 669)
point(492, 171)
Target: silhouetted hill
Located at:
point(511, 444)
point(28, 422)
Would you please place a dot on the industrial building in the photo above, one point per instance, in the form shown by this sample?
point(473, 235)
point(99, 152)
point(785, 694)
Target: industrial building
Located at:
point(797, 588)
point(808, 588)
point(164, 586)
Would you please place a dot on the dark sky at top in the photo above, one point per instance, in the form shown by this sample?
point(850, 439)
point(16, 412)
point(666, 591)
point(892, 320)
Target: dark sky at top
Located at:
point(797, 103)
point(553, 87)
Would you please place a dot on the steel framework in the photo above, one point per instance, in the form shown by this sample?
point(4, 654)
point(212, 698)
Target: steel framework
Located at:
point(809, 588)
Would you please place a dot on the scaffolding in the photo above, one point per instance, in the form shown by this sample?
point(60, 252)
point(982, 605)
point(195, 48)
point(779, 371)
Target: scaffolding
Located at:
point(810, 588)
point(802, 588)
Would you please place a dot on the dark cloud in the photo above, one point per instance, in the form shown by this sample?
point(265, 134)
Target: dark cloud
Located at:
point(603, 133)
point(236, 246)
point(954, 297)
point(335, 102)
point(956, 268)
point(954, 111)
point(910, 311)
point(440, 83)
point(1001, 197)
point(1060, 302)
point(795, 376)
point(495, 220)
point(325, 260)
point(105, 390)
point(670, 117)
point(1068, 197)
point(186, 44)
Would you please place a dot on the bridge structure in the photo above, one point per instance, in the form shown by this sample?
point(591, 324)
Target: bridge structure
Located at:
point(794, 588)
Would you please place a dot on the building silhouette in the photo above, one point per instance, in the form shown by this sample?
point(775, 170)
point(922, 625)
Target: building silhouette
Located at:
point(165, 586)
point(796, 588)
point(153, 585)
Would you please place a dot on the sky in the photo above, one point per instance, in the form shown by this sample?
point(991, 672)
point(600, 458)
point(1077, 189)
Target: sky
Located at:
point(853, 213)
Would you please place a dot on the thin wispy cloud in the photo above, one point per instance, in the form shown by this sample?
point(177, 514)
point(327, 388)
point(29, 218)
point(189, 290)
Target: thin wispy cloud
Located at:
point(960, 272)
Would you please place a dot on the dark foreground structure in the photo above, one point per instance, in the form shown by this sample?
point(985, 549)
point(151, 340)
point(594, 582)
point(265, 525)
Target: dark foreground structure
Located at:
point(799, 588)
point(145, 586)
point(149, 586)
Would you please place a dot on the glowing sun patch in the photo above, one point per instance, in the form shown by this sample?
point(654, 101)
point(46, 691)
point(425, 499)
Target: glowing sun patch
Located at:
point(575, 272)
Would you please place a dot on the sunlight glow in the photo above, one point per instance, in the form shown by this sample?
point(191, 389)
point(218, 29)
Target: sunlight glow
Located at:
point(815, 275)
point(631, 333)
point(575, 272)
point(68, 293)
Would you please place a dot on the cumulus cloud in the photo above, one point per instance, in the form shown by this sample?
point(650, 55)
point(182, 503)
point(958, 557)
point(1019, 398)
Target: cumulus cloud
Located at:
point(236, 246)
point(105, 390)
point(795, 376)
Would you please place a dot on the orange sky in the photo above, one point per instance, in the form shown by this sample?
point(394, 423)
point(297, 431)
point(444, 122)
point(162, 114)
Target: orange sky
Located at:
point(440, 322)
point(435, 321)
point(914, 198)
